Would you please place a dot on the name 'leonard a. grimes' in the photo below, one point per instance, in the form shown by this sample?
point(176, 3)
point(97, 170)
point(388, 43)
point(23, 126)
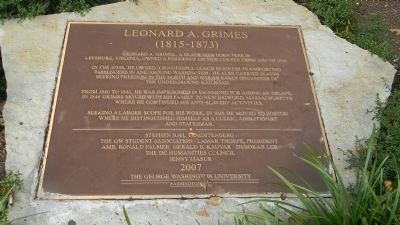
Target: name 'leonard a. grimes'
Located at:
point(177, 33)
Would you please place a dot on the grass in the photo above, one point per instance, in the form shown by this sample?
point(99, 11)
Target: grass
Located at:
point(371, 34)
point(371, 200)
point(7, 185)
point(336, 14)
point(126, 216)
point(388, 138)
point(26, 9)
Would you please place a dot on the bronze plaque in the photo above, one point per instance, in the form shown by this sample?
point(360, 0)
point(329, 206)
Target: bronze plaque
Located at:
point(150, 111)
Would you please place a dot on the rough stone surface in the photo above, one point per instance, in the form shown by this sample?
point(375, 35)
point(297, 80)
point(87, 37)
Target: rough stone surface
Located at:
point(347, 80)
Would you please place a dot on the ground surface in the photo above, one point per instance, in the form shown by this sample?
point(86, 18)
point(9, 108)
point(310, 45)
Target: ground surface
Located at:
point(391, 12)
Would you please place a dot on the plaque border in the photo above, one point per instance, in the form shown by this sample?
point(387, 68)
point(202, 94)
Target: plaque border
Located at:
point(41, 194)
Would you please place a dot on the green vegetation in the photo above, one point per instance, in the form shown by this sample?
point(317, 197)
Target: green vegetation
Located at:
point(388, 140)
point(372, 199)
point(30, 8)
point(336, 14)
point(126, 216)
point(388, 137)
point(340, 15)
point(373, 35)
point(7, 185)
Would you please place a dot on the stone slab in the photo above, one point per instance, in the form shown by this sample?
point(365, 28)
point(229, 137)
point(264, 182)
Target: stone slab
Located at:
point(347, 80)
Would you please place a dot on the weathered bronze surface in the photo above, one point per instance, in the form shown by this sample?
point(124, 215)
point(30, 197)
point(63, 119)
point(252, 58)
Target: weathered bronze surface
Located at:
point(143, 111)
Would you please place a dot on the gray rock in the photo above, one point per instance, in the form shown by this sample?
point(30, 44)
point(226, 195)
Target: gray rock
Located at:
point(347, 80)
